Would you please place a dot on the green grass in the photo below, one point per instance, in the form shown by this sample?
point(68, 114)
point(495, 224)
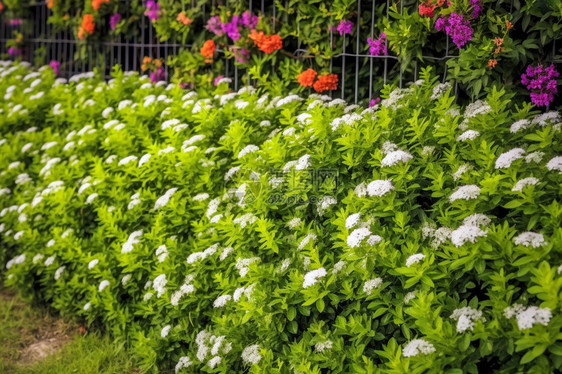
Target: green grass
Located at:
point(23, 325)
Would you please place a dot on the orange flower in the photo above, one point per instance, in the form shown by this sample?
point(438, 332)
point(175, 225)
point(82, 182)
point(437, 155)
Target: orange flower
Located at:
point(50, 4)
point(1, 7)
point(508, 24)
point(147, 60)
point(208, 50)
point(87, 26)
point(498, 41)
point(498, 50)
point(326, 82)
point(266, 43)
point(306, 78)
point(158, 62)
point(492, 63)
point(184, 19)
point(96, 4)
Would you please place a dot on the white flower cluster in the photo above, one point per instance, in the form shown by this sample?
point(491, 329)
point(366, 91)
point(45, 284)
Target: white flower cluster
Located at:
point(530, 239)
point(183, 363)
point(505, 160)
point(133, 239)
point(440, 89)
point(324, 346)
point(466, 317)
point(211, 345)
point(519, 125)
point(164, 199)
point(525, 182)
point(243, 265)
point(200, 256)
point(555, 164)
point(294, 222)
point(395, 157)
point(247, 150)
point(379, 187)
point(535, 157)
point(103, 285)
point(528, 316)
point(159, 284)
point(324, 203)
point(312, 277)
point(477, 108)
point(245, 220)
point(251, 354)
point(546, 118)
point(468, 135)
point(416, 347)
point(460, 171)
point(468, 192)
point(372, 284)
point(357, 236)
point(307, 239)
point(413, 259)
point(466, 233)
point(347, 119)
point(185, 289)
point(92, 264)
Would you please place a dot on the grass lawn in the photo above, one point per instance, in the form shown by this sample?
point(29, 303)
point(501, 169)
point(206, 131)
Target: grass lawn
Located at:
point(33, 341)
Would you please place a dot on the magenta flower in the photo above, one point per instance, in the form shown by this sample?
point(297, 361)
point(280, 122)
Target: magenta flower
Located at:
point(14, 51)
point(54, 64)
point(15, 22)
point(456, 27)
point(374, 102)
point(377, 47)
point(541, 81)
point(345, 27)
point(231, 28)
point(476, 7)
point(217, 80)
point(152, 10)
point(214, 25)
point(249, 20)
point(158, 75)
point(114, 20)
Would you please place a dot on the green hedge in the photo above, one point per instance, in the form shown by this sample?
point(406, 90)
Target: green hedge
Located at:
point(236, 232)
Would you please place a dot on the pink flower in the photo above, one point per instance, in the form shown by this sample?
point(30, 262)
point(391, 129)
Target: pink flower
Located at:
point(114, 20)
point(55, 66)
point(152, 10)
point(217, 80)
point(345, 27)
point(158, 75)
point(374, 102)
point(541, 81)
point(378, 46)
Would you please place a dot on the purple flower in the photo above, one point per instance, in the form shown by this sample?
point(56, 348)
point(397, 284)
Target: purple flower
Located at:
point(114, 20)
point(456, 27)
point(377, 47)
point(217, 80)
point(231, 28)
point(54, 64)
point(214, 25)
point(158, 75)
point(14, 51)
point(541, 81)
point(374, 102)
point(345, 27)
point(249, 20)
point(15, 22)
point(152, 10)
point(476, 7)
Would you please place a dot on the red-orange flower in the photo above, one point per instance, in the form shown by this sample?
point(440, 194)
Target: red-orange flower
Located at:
point(326, 82)
point(87, 26)
point(184, 19)
point(208, 50)
point(1, 7)
point(508, 24)
point(266, 43)
point(306, 78)
point(96, 4)
point(492, 63)
point(498, 41)
point(50, 4)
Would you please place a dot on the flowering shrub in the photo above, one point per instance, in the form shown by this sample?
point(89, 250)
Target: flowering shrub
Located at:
point(235, 231)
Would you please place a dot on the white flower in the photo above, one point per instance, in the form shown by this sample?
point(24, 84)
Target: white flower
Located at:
point(507, 158)
point(535, 157)
point(415, 258)
point(440, 89)
point(183, 363)
point(243, 265)
point(247, 150)
point(231, 172)
point(468, 135)
point(465, 317)
point(466, 233)
point(38, 257)
point(18, 235)
point(302, 163)
point(427, 150)
point(59, 272)
point(379, 187)
point(372, 284)
point(159, 284)
point(147, 296)
point(91, 198)
point(294, 222)
point(357, 236)
point(530, 239)
point(93, 263)
point(460, 171)
point(555, 164)
point(225, 252)
point(313, 276)
point(144, 159)
point(528, 316)
point(374, 239)
point(521, 184)
point(519, 125)
point(409, 297)
point(304, 118)
point(49, 261)
point(395, 157)
point(477, 219)
point(201, 197)
point(307, 239)
point(131, 241)
point(476, 108)
point(87, 306)
point(544, 118)
point(324, 346)
point(213, 362)
point(163, 200)
point(352, 220)
point(417, 346)
point(338, 267)
point(467, 192)
point(222, 301)
point(251, 355)
point(165, 331)
point(127, 159)
point(103, 285)
point(324, 203)
point(126, 279)
point(162, 253)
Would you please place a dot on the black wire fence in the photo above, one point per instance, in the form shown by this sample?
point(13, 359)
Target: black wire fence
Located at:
point(357, 70)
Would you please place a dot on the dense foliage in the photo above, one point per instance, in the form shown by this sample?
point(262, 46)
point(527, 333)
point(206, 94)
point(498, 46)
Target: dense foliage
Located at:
point(237, 231)
point(489, 41)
